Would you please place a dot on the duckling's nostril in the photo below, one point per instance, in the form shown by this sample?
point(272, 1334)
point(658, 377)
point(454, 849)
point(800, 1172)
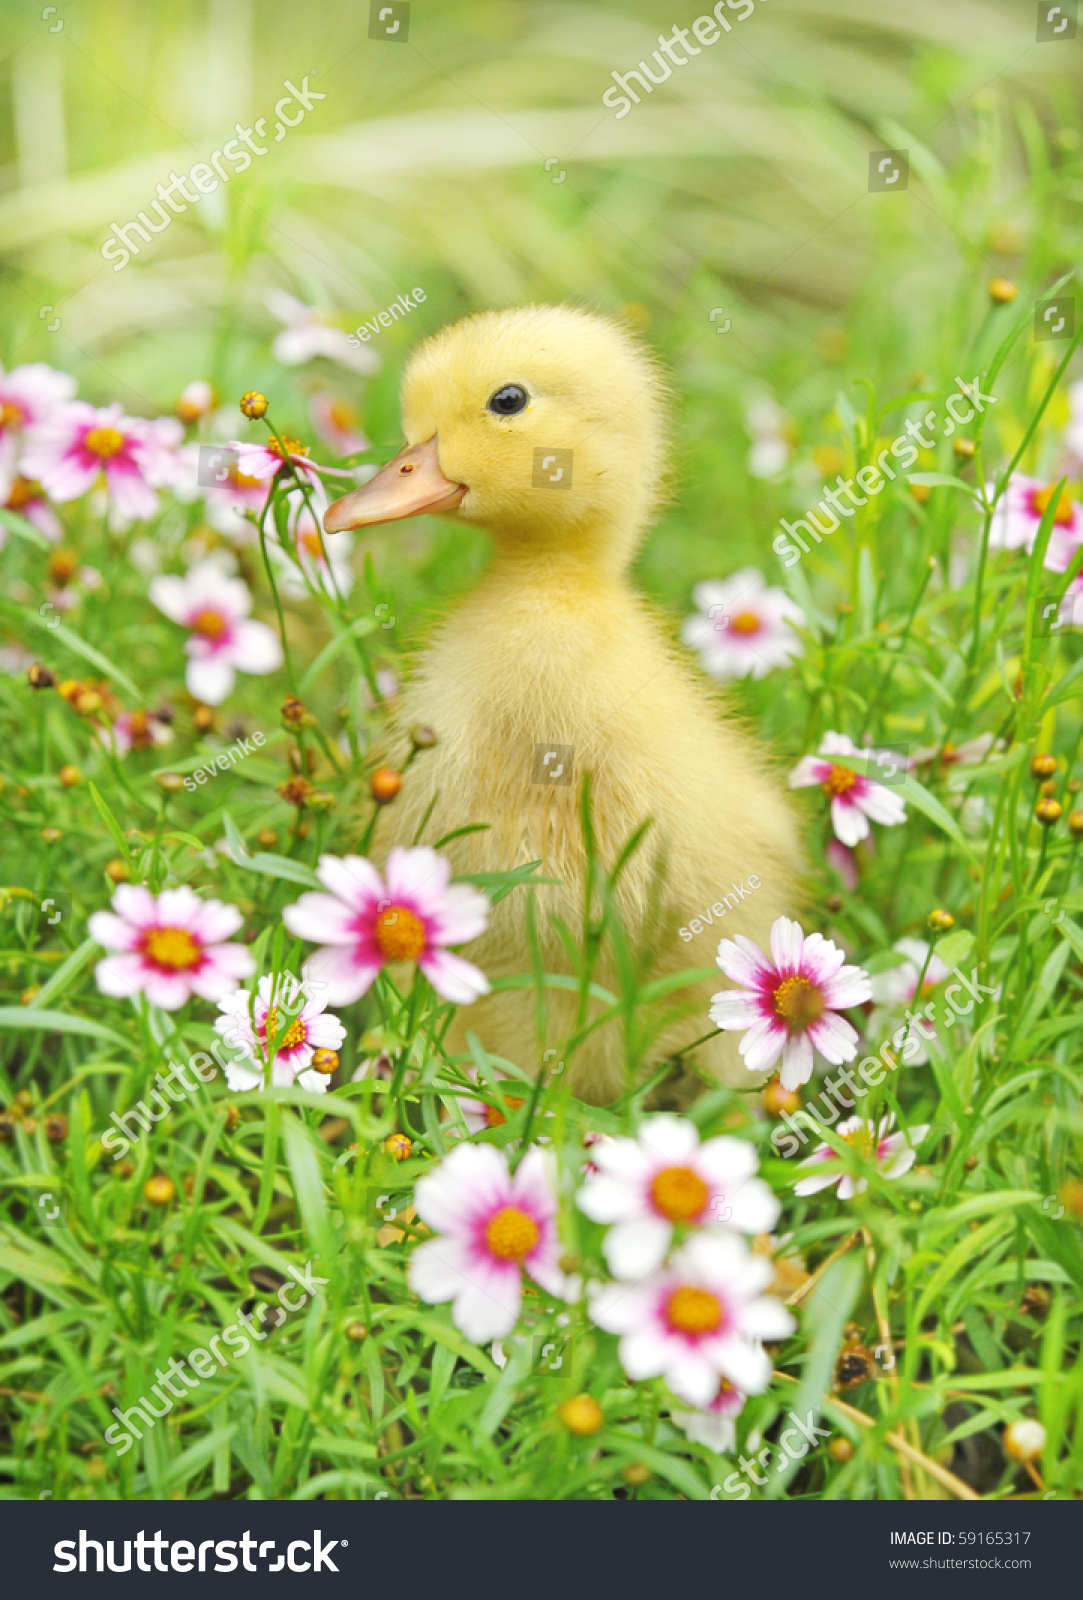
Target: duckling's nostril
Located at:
point(408, 466)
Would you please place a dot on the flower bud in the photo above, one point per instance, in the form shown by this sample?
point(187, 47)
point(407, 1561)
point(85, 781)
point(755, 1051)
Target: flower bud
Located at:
point(295, 791)
point(636, 1473)
point(1075, 823)
point(170, 782)
point(384, 785)
point(254, 404)
point(398, 1146)
point(159, 1190)
point(294, 712)
point(1048, 812)
point(839, 1448)
point(51, 835)
point(29, 993)
point(56, 1127)
point(195, 400)
point(1043, 766)
point(325, 1061)
point(941, 921)
point(69, 776)
point(422, 737)
point(62, 566)
point(965, 449)
point(1024, 1440)
point(40, 677)
point(1002, 291)
point(356, 1332)
point(581, 1415)
point(776, 1099)
point(266, 838)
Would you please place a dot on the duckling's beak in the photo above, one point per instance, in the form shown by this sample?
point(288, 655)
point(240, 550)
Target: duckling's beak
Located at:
point(406, 487)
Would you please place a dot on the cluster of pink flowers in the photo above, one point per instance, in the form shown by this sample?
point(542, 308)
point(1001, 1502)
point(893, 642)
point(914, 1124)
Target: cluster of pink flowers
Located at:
point(1015, 526)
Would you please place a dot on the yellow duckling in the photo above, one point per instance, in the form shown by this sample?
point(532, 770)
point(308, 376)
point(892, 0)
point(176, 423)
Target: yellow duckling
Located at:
point(545, 426)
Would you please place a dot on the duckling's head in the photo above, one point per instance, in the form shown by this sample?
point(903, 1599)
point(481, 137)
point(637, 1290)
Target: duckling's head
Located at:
point(544, 425)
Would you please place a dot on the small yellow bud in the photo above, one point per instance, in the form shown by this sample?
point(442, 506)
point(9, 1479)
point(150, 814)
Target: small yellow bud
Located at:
point(1002, 291)
point(1024, 1440)
point(581, 1415)
point(159, 1190)
point(398, 1146)
point(254, 404)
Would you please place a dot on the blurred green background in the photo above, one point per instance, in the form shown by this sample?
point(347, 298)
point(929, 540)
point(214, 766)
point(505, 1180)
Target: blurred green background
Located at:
point(740, 184)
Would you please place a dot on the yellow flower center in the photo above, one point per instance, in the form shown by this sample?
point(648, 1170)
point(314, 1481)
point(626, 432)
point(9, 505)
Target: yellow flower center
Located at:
point(840, 780)
point(173, 948)
point(22, 491)
point(293, 446)
point(746, 622)
point(798, 1002)
point(314, 545)
point(694, 1311)
point(400, 934)
point(861, 1139)
point(495, 1118)
point(241, 480)
point(104, 442)
point(295, 1034)
point(511, 1234)
point(679, 1193)
point(1039, 505)
point(342, 414)
point(211, 624)
point(11, 415)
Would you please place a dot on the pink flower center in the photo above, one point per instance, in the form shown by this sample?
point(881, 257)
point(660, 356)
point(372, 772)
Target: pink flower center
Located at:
point(693, 1311)
point(839, 780)
point(104, 442)
point(400, 934)
point(172, 948)
point(798, 1002)
point(511, 1234)
point(746, 622)
point(209, 624)
point(679, 1193)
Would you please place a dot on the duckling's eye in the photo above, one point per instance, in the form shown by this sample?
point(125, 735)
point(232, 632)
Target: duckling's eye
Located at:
point(509, 400)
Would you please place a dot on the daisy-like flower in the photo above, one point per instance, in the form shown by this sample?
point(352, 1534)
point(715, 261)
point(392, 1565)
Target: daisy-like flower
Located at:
point(665, 1179)
point(262, 461)
point(195, 400)
point(413, 913)
point(307, 334)
point(1020, 510)
point(337, 423)
point(80, 445)
point(789, 1004)
point(843, 860)
point(894, 1154)
point(274, 1017)
point(28, 398)
point(224, 639)
point(897, 988)
point(493, 1226)
point(743, 628)
point(326, 564)
point(697, 1319)
point(480, 1114)
point(854, 799)
point(136, 730)
point(714, 1425)
point(28, 499)
point(971, 753)
point(168, 946)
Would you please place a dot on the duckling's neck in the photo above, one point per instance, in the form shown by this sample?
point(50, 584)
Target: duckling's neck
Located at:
point(593, 555)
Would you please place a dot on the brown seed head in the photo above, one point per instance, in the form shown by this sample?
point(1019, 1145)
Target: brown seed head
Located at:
point(40, 677)
point(295, 791)
point(294, 711)
point(56, 1127)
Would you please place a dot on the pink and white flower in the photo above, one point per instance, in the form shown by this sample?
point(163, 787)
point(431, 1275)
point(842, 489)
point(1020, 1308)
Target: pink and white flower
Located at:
point(1020, 509)
point(893, 1153)
point(282, 1017)
point(773, 436)
point(308, 334)
point(493, 1226)
point(262, 461)
point(697, 1319)
point(743, 628)
point(413, 913)
point(665, 1179)
point(897, 988)
point(168, 946)
point(81, 444)
point(224, 638)
point(29, 396)
point(326, 564)
point(790, 1004)
point(854, 799)
point(971, 753)
point(713, 1425)
point(842, 859)
point(195, 400)
point(136, 730)
point(28, 499)
point(337, 423)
